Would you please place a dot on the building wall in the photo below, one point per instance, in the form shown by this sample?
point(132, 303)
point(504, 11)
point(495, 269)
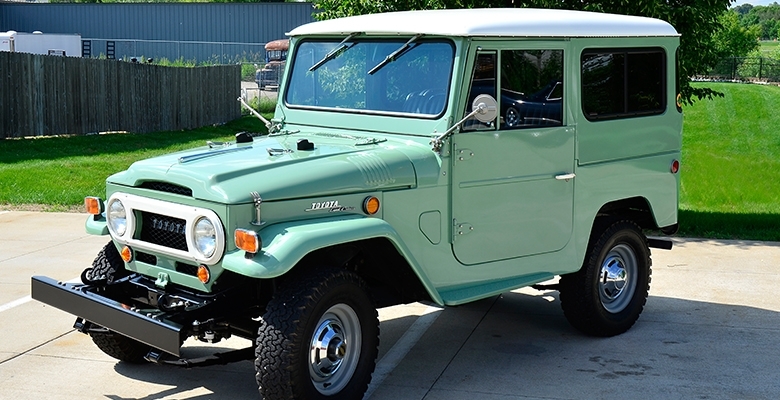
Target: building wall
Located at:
point(244, 23)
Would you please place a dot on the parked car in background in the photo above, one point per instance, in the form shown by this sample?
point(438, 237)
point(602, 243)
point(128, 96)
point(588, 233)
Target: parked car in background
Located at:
point(269, 76)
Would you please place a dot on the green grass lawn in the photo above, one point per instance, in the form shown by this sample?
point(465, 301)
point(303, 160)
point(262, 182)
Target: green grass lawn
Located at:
point(55, 174)
point(730, 166)
point(731, 163)
point(768, 46)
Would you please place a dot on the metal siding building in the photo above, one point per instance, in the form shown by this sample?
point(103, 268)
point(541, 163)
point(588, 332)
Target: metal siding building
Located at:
point(230, 28)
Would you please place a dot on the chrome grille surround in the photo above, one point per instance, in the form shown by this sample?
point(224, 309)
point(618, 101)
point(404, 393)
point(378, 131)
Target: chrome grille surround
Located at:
point(168, 240)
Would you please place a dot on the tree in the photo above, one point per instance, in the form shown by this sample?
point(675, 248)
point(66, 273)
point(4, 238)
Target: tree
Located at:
point(735, 40)
point(695, 20)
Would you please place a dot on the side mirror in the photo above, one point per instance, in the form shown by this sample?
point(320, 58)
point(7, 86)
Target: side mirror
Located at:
point(484, 108)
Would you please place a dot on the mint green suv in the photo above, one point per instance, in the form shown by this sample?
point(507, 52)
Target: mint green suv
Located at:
point(411, 158)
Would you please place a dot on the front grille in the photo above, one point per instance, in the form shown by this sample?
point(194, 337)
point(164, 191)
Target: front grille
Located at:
point(164, 230)
point(145, 258)
point(167, 187)
point(187, 269)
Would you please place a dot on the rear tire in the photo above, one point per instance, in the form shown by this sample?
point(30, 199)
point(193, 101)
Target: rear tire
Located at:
point(318, 339)
point(108, 267)
point(605, 297)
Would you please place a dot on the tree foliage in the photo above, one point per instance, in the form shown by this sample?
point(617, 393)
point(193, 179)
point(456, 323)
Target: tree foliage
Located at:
point(734, 39)
point(695, 20)
point(766, 18)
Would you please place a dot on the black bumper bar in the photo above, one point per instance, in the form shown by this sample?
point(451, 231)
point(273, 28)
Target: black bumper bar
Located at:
point(78, 300)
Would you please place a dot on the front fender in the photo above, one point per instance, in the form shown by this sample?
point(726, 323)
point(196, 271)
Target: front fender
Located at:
point(285, 244)
point(96, 225)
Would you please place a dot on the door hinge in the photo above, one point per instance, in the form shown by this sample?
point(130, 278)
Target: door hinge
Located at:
point(463, 154)
point(460, 229)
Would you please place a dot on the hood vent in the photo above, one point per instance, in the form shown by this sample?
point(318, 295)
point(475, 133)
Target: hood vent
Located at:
point(375, 172)
point(168, 188)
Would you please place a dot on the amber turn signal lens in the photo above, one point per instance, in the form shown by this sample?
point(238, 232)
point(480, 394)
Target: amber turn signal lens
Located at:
point(203, 274)
point(93, 205)
point(126, 254)
point(247, 240)
point(371, 205)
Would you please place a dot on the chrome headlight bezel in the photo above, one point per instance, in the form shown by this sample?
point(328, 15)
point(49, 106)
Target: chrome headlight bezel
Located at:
point(204, 236)
point(116, 215)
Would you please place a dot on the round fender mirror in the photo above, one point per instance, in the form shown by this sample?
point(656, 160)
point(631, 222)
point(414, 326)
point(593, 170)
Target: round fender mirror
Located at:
point(486, 108)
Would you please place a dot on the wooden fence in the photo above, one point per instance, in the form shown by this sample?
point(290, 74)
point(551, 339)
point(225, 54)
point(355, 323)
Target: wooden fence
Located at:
point(50, 95)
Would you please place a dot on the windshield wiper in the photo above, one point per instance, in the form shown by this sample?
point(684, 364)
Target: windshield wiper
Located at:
point(335, 52)
point(394, 55)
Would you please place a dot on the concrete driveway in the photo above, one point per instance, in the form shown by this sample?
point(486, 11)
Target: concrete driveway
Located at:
point(710, 330)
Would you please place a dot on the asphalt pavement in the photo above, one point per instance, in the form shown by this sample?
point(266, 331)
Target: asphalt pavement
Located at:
point(710, 330)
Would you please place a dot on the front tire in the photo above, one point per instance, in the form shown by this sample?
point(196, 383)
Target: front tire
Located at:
point(108, 267)
point(607, 295)
point(318, 339)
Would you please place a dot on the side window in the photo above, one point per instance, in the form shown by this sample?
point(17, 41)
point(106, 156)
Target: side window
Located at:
point(531, 88)
point(623, 83)
point(483, 81)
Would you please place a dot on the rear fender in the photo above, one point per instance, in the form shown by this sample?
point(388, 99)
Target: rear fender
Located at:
point(286, 244)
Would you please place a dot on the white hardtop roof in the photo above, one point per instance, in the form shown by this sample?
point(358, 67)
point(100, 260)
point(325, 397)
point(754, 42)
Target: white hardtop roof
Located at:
point(504, 22)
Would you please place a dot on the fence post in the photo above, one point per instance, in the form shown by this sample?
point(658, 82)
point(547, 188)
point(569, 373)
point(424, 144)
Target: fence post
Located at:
point(760, 67)
point(733, 68)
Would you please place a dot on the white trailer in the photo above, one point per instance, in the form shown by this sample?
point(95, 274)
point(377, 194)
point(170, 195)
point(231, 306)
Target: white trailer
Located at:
point(41, 43)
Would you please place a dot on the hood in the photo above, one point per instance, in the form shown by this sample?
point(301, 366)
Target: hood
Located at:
point(276, 169)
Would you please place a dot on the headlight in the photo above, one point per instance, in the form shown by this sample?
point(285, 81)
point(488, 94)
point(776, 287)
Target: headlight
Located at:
point(205, 237)
point(117, 217)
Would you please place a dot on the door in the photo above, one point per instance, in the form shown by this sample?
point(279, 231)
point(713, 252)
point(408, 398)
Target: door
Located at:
point(513, 189)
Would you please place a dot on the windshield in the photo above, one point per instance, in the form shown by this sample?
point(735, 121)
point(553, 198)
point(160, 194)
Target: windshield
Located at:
point(413, 81)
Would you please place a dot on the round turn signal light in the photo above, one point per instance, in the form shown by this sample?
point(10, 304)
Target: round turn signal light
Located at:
point(371, 205)
point(204, 275)
point(126, 254)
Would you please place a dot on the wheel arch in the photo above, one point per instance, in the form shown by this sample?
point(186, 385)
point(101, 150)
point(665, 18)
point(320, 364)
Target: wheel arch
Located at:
point(368, 246)
point(637, 209)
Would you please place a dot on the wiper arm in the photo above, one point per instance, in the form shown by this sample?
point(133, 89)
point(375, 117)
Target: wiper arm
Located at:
point(335, 52)
point(394, 55)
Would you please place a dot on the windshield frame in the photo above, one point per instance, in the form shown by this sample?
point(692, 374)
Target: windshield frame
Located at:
point(394, 42)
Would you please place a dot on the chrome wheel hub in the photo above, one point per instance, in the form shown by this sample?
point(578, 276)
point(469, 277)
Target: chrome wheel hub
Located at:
point(617, 278)
point(335, 349)
point(512, 117)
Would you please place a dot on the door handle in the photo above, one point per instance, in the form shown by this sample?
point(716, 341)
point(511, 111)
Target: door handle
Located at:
point(565, 177)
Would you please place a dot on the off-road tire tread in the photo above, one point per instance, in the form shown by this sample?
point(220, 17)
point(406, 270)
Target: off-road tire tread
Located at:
point(121, 347)
point(579, 298)
point(108, 266)
point(285, 320)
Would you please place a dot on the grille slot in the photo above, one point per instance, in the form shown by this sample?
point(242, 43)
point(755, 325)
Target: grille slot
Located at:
point(145, 258)
point(167, 187)
point(164, 230)
point(187, 269)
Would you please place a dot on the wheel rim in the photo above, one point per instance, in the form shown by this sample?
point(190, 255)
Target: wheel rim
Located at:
point(335, 349)
point(617, 278)
point(512, 117)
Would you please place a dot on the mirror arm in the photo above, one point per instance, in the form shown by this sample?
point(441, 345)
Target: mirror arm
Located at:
point(439, 140)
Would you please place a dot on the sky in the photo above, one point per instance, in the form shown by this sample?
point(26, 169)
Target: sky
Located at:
point(754, 2)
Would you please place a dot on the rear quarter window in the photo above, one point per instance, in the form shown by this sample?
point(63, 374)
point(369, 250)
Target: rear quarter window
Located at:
point(623, 83)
